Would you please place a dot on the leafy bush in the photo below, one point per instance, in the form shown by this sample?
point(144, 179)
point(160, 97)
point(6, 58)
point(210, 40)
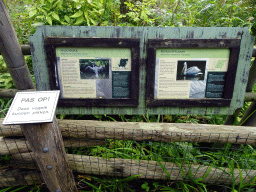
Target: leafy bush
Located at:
point(178, 13)
point(71, 12)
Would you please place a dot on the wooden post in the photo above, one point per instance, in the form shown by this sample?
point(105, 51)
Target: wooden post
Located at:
point(249, 118)
point(251, 81)
point(45, 139)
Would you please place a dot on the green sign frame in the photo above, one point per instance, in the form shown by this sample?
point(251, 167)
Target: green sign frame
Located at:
point(94, 71)
point(144, 34)
point(191, 72)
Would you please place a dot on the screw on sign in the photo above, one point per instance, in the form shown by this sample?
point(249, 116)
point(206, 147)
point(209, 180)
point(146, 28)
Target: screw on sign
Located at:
point(45, 150)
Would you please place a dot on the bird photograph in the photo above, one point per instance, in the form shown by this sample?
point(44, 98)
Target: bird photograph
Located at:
point(94, 69)
point(194, 71)
point(191, 70)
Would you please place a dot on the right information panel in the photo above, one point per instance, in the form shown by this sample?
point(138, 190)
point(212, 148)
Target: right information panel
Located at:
point(190, 73)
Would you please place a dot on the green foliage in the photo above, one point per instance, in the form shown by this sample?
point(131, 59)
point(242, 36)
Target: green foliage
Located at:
point(5, 77)
point(4, 106)
point(5, 160)
point(177, 13)
point(109, 184)
point(20, 20)
point(182, 153)
point(71, 12)
point(6, 81)
point(139, 13)
point(22, 188)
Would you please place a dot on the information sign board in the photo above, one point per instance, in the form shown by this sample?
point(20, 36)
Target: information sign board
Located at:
point(32, 107)
point(143, 70)
point(94, 71)
point(192, 72)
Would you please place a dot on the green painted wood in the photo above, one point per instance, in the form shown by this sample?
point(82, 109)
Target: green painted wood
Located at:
point(144, 33)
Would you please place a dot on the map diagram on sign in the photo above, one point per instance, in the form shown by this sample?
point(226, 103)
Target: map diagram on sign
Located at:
point(220, 64)
point(123, 63)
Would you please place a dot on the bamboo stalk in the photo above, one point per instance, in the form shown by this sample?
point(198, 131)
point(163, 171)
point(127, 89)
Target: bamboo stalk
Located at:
point(139, 131)
point(143, 168)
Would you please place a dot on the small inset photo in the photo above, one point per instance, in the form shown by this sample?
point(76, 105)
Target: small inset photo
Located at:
point(191, 70)
point(123, 62)
point(94, 68)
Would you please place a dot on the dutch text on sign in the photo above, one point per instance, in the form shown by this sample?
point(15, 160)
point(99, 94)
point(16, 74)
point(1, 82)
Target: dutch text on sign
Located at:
point(32, 107)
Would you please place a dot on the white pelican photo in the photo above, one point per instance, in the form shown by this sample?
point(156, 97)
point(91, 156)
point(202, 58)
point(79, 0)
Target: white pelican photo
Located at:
point(194, 71)
point(191, 71)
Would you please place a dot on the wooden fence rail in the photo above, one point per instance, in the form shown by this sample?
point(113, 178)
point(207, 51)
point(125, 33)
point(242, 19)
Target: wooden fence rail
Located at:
point(122, 167)
point(82, 133)
point(142, 168)
point(140, 131)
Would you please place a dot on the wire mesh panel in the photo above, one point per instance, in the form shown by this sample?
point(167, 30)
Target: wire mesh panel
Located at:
point(11, 174)
point(123, 149)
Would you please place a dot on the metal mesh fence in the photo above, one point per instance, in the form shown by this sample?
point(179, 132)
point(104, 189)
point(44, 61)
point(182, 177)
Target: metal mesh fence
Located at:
point(148, 153)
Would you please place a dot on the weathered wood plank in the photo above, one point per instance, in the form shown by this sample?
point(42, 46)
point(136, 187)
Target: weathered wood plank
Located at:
point(252, 77)
point(250, 97)
point(25, 49)
point(53, 162)
point(140, 131)
point(12, 146)
point(143, 168)
point(17, 177)
point(10, 93)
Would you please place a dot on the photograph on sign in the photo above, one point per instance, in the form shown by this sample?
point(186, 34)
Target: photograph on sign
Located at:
point(190, 74)
point(103, 75)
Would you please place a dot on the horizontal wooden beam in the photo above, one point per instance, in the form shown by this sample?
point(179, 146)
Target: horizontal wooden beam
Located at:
point(19, 177)
point(10, 93)
point(20, 145)
point(254, 52)
point(140, 131)
point(143, 168)
point(250, 97)
point(26, 50)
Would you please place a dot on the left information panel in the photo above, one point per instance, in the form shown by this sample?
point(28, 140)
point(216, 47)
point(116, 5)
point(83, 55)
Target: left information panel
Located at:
point(102, 73)
point(94, 71)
